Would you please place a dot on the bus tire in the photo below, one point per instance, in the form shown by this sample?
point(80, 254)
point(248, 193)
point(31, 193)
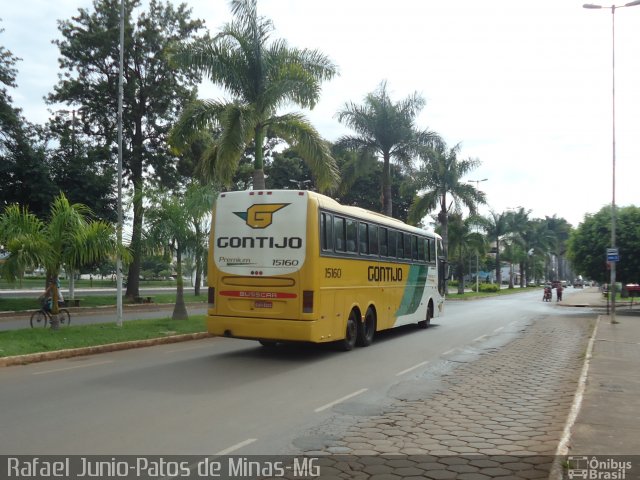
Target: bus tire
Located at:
point(427, 321)
point(367, 329)
point(351, 333)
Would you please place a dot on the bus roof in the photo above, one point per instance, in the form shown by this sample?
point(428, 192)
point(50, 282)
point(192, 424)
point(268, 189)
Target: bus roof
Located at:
point(357, 212)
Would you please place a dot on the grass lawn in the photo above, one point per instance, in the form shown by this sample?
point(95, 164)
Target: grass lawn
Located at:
point(21, 304)
point(38, 340)
point(453, 293)
point(39, 282)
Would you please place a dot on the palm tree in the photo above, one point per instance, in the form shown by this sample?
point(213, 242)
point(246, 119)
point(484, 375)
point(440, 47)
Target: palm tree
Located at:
point(198, 204)
point(385, 129)
point(463, 241)
point(69, 237)
point(261, 77)
point(518, 227)
point(168, 230)
point(497, 226)
point(561, 230)
point(440, 176)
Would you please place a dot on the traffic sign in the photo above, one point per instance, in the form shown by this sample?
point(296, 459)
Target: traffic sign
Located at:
point(613, 255)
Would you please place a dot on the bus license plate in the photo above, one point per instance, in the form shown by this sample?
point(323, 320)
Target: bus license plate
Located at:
point(262, 304)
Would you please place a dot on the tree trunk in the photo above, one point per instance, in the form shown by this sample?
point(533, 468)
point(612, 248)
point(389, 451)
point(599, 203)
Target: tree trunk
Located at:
point(198, 282)
point(387, 203)
point(258, 164)
point(180, 309)
point(72, 284)
point(498, 266)
point(133, 277)
point(258, 180)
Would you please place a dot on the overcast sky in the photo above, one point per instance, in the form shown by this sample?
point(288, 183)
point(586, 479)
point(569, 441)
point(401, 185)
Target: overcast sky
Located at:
point(525, 87)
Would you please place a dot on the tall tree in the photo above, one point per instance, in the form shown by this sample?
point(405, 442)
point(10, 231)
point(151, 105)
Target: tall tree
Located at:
point(154, 93)
point(261, 76)
point(440, 177)
point(386, 130)
point(587, 245)
point(23, 167)
point(72, 158)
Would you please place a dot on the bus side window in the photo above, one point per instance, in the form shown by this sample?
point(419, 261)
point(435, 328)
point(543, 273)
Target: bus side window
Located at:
point(422, 243)
point(407, 245)
point(352, 236)
point(382, 237)
point(373, 239)
point(339, 233)
point(393, 243)
point(400, 253)
point(326, 231)
point(432, 251)
point(363, 237)
point(414, 247)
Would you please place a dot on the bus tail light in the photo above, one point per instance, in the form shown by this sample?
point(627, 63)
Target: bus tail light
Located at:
point(307, 301)
point(211, 297)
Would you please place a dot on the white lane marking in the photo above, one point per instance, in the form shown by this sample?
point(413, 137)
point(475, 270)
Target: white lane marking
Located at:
point(335, 402)
point(481, 337)
point(498, 330)
point(237, 446)
point(411, 368)
point(72, 368)
point(449, 351)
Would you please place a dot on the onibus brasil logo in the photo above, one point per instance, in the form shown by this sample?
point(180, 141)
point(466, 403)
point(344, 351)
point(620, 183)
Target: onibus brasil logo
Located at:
point(260, 215)
point(598, 468)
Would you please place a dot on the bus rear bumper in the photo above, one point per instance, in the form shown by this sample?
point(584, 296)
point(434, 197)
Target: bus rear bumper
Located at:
point(266, 329)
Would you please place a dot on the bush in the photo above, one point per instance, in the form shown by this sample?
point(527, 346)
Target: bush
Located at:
point(487, 287)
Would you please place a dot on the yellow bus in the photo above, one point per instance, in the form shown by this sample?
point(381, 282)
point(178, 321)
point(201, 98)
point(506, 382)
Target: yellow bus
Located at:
point(293, 265)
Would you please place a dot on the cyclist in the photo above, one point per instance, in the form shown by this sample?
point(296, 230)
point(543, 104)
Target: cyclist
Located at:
point(47, 297)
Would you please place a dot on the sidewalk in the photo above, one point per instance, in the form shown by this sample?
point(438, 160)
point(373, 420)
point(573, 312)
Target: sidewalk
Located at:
point(608, 422)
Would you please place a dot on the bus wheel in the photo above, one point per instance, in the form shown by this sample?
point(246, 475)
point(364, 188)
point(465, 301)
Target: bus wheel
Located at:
point(426, 322)
point(367, 329)
point(351, 334)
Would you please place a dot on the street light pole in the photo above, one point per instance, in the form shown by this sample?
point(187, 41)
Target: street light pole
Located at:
point(477, 182)
point(612, 288)
point(119, 311)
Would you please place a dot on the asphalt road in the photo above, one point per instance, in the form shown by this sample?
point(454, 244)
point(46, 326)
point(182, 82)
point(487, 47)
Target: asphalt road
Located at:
point(222, 395)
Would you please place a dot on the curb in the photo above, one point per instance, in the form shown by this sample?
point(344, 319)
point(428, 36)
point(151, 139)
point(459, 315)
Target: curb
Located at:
point(110, 347)
point(565, 439)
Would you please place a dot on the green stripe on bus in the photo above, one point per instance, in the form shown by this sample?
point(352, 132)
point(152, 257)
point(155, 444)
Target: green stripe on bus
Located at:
point(413, 291)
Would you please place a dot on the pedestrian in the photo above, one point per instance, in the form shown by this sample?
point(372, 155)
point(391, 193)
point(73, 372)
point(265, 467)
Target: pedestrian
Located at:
point(559, 292)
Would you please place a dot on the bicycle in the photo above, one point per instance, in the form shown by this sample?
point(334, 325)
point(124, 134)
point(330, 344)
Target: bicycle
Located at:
point(44, 316)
